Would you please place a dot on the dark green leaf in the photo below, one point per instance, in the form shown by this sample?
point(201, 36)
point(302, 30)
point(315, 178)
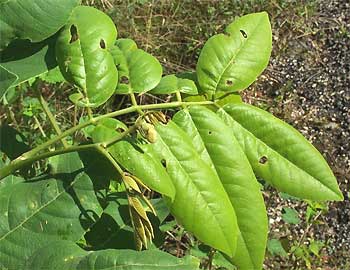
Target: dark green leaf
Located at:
point(46, 208)
point(33, 20)
point(65, 255)
point(23, 60)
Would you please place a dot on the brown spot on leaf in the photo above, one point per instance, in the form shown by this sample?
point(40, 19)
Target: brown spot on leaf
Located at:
point(229, 82)
point(163, 161)
point(263, 160)
point(244, 34)
point(73, 33)
point(102, 44)
point(124, 80)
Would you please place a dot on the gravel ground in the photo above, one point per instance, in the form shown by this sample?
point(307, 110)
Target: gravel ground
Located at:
point(308, 85)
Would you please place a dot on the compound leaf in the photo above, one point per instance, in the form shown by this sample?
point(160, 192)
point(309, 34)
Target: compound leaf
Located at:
point(232, 61)
point(17, 18)
point(65, 255)
point(83, 54)
point(280, 154)
point(217, 146)
point(138, 70)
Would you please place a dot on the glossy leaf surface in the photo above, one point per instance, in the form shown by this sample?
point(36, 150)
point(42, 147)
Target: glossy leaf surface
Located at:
point(217, 146)
point(17, 18)
point(50, 207)
point(233, 60)
point(83, 55)
point(280, 154)
point(65, 255)
point(171, 84)
point(138, 70)
point(200, 196)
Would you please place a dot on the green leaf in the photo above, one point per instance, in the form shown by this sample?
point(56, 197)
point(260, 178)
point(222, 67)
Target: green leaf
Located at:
point(23, 60)
point(275, 247)
point(217, 146)
point(290, 216)
point(134, 159)
point(171, 84)
point(33, 20)
point(83, 55)
point(201, 204)
point(46, 208)
point(315, 247)
point(12, 143)
point(65, 255)
point(221, 261)
point(52, 76)
point(113, 229)
point(138, 70)
point(232, 61)
point(280, 154)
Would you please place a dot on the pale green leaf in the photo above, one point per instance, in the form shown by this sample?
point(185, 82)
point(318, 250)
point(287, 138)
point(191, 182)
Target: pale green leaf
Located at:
point(138, 70)
point(171, 84)
point(83, 55)
point(207, 211)
point(218, 147)
point(280, 154)
point(232, 61)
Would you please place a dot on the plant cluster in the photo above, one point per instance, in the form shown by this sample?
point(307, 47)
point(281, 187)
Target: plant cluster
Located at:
point(101, 200)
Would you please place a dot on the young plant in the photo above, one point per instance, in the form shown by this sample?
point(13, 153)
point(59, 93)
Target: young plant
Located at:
point(202, 162)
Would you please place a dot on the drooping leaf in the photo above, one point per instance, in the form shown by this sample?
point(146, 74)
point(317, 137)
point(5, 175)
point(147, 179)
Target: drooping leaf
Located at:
point(134, 159)
point(138, 70)
point(65, 255)
point(201, 203)
point(217, 146)
point(232, 61)
point(23, 60)
point(280, 154)
point(171, 84)
point(17, 18)
point(49, 207)
point(83, 55)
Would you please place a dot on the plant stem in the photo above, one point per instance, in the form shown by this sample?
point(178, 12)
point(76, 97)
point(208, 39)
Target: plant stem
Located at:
point(105, 153)
point(134, 104)
point(30, 156)
point(19, 163)
point(51, 118)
